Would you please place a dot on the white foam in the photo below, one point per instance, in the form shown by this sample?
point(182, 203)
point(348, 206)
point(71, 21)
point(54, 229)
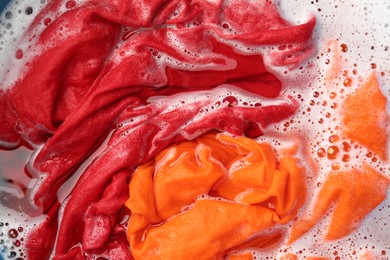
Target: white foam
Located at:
point(363, 27)
point(14, 21)
point(13, 229)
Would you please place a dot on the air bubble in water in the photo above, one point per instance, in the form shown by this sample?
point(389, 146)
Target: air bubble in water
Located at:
point(13, 233)
point(28, 10)
point(70, 4)
point(11, 254)
point(344, 47)
point(332, 152)
point(321, 152)
point(19, 54)
point(347, 82)
point(17, 243)
point(231, 101)
point(3, 249)
point(46, 21)
point(8, 15)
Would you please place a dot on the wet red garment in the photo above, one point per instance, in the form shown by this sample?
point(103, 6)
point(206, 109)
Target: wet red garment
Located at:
point(92, 68)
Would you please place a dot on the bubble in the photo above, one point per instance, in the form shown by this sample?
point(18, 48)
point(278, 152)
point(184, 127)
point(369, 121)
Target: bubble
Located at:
point(321, 152)
point(334, 138)
point(343, 47)
point(11, 254)
point(46, 21)
point(4, 249)
point(13, 233)
point(17, 243)
point(346, 146)
point(70, 4)
point(8, 15)
point(230, 101)
point(19, 54)
point(332, 152)
point(28, 10)
point(347, 82)
point(346, 158)
point(335, 166)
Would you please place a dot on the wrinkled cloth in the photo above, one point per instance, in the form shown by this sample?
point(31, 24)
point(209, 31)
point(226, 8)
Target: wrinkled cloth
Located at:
point(357, 191)
point(94, 69)
point(365, 112)
point(348, 191)
point(204, 198)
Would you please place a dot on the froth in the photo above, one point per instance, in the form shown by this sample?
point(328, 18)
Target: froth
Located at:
point(14, 21)
point(360, 34)
point(13, 229)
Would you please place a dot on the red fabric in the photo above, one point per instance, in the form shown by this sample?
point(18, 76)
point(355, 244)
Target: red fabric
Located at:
point(96, 65)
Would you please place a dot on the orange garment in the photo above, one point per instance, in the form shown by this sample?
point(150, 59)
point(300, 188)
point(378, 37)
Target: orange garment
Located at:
point(364, 111)
point(365, 119)
point(245, 256)
point(205, 198)
point(355, 193)
point(370, 256)
point(289, 256)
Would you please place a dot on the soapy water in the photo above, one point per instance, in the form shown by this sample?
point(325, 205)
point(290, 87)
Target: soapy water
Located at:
point(362, 35)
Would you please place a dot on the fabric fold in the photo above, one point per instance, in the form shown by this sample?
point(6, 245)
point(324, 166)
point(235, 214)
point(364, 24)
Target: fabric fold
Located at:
point(183, 209)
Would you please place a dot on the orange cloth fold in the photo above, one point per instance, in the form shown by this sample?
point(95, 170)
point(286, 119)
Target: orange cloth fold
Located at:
point(246, 256)
point(208, 197)
point(355, 194)
point(365, 119)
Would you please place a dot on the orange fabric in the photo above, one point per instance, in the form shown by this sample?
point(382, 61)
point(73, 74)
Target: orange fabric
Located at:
point(369, 256)
point(245, 256)
point(355, 193)
point(289, 256)
point(263, 241)
point(245, 191)
point(365, 119)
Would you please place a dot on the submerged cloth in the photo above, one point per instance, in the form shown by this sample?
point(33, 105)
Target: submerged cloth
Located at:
point(93, 69)
point(206, 198)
